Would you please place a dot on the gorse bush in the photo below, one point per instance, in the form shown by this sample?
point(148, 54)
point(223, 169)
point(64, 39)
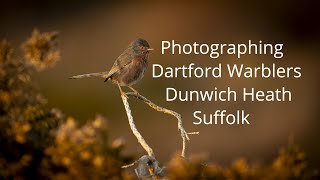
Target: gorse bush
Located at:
point(37, 142)
point(289, 164)
point(40, 142)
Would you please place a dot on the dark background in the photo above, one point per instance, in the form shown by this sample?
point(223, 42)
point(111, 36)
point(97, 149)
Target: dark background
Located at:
point(92, 35)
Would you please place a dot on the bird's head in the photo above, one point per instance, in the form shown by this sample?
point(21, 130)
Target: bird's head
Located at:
point(141, 47)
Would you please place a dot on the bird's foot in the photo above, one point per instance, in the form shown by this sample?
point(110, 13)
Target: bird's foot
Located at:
point(135, 91)
point(124, 94)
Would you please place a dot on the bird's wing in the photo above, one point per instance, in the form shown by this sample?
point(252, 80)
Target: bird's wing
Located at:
point(122, 61)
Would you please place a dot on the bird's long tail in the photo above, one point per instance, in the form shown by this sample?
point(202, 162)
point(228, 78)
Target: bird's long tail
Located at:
point(97, 74)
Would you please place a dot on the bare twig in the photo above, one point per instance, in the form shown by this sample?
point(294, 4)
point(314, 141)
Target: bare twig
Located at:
point(149, 162)
point(129, 165)
point(133, 127)
point(184, 134)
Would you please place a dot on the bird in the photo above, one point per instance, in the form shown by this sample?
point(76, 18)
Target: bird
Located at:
point(128, 68)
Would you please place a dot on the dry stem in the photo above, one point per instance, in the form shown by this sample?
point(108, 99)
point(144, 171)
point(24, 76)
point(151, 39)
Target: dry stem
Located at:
point(184, 134)
point(149, 161)
point(133, 127)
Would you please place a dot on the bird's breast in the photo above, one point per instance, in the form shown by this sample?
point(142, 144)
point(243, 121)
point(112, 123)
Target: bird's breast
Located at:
point(134, 72)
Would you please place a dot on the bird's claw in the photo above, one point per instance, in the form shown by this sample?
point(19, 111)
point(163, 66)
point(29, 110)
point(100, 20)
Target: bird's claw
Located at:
point(123, 94)
point(136, 93)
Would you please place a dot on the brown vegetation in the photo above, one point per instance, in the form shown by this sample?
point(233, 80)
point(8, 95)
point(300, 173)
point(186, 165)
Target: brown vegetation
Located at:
point(38, 142)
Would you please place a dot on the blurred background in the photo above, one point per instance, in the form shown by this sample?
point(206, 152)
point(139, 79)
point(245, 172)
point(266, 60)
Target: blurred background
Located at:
point(93, 34)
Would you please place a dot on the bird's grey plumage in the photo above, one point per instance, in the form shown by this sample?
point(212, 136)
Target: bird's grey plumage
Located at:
point(128, 68)
point(106, 74)
point(123, 60)
point(100, 74)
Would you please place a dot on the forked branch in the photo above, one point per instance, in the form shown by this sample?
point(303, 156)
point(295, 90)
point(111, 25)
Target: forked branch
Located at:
point(149, 162)
point(184, 134)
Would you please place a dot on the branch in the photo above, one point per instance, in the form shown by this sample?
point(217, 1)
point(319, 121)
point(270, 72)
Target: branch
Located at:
point(148, 165)
point(133, 127)
point(184, 134)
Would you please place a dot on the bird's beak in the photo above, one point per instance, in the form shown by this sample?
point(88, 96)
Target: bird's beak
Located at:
point(150, 49)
